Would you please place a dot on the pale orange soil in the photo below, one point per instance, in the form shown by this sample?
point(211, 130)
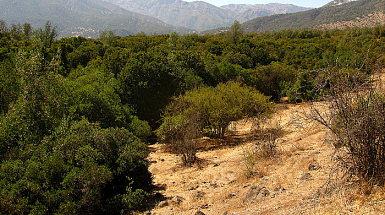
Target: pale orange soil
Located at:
point(219, 184)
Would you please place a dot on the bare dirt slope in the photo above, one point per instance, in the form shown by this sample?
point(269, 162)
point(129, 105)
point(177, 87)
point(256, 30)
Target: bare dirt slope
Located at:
point(287, 183)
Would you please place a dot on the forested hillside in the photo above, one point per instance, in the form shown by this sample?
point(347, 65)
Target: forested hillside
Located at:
point(76, 113)
point(86, 18)
point(323, 17)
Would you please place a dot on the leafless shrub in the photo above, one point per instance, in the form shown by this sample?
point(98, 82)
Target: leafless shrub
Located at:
point(356, 119)
point(181, 136)
point(187, 147)
point(266, 136)
point(249, 162)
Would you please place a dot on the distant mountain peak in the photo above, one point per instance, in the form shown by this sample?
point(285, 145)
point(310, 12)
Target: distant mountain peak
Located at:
point(337, 2)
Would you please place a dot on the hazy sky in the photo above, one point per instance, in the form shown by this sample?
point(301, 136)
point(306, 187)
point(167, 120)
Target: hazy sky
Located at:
point(304, 3)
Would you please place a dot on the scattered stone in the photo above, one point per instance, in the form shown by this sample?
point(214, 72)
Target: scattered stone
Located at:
point(277, 191)
point(193, 188)
point(199, 195)
point(214, 185)
point(153, 161)
point(305, 176)
point(177, 200)
point(256, 192)
point(163, 204)
point(199, 213)
point(314, 166)
point(155, 170)
point(205, 206)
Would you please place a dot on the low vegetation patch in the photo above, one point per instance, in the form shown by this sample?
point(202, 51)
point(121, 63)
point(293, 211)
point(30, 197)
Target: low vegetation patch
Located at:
point(208, 111)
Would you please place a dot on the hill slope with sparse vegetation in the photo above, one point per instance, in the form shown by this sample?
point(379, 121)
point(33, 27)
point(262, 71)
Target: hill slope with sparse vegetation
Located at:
point(359, 13)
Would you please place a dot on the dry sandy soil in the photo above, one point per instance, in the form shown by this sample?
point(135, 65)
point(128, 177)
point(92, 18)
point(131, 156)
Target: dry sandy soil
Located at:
point(291, 182)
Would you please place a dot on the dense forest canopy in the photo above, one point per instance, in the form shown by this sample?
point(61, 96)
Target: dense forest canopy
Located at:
point(75, 113)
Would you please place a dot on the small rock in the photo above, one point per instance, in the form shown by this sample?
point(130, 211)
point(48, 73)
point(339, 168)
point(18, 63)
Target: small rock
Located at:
point(279, 190)
point(205, 206)
point(177, 200)
point(155, 170)
point(214, 185)
point(226, 213)
point(215, 165)
point(264, 192)
point(199, 213)
point(314, 166)
point(305, 176)
point(199, 195)
point(163, 204)
point(162, 160)
point(193, 188)
point(256, 192)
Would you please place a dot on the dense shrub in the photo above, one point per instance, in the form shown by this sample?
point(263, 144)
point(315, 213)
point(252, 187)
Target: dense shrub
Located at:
point(80, 169)
point(208, 111)
point(217, 107)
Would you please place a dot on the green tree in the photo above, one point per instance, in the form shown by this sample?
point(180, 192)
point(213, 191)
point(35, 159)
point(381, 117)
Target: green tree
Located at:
point(46, 35)
point(217, 107)
point(147, 83)
point(27, 30)
point(107, 38)
point(235, 33)
point(3, 26)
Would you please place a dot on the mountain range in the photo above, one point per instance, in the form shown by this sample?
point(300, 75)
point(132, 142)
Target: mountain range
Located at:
point(82, 17)
point(200, 15)
point(88, 18)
